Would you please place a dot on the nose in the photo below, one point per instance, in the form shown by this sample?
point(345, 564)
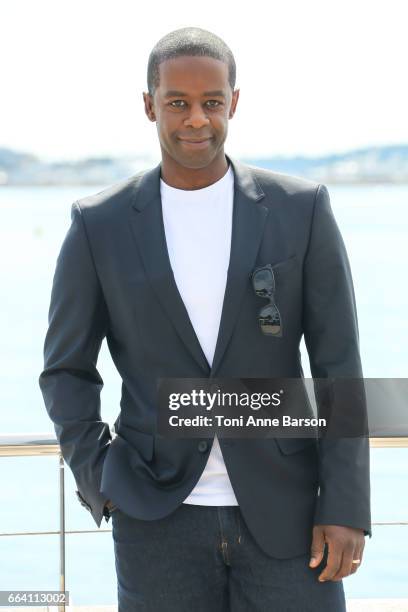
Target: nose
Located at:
point(197, 117)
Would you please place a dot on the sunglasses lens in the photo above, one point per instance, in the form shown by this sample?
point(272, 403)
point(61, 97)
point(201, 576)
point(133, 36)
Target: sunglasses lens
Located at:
point(270, 320)
point(263, 282)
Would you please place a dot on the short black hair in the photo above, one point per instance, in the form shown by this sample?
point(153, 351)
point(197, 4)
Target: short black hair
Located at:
point(188, 41)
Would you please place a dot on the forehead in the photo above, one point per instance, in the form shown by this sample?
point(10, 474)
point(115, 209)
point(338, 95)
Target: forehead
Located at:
point(193, 74)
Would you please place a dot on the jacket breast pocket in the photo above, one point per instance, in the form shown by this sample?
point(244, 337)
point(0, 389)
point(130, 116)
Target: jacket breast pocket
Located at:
point(286, 272)
point(282, 269)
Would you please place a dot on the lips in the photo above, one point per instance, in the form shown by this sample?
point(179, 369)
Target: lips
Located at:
point(196, 143)
point(193, 140)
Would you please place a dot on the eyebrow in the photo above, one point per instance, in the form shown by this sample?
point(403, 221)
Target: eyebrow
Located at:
point(175, 92)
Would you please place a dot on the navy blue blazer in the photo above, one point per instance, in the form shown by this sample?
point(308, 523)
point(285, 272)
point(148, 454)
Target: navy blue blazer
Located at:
point(113, 280)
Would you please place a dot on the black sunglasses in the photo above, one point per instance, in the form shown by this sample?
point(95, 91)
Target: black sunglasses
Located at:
point(269, 318)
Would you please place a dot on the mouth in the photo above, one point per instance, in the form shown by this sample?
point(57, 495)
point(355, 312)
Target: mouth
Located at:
point(195, 143)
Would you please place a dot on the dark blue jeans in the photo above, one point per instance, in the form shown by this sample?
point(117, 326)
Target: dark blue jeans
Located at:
point(204, 559)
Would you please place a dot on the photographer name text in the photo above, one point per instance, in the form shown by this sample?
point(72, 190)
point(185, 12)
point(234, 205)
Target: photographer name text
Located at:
point(249, 421)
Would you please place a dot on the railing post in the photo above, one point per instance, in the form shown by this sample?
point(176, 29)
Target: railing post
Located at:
point(61, 608)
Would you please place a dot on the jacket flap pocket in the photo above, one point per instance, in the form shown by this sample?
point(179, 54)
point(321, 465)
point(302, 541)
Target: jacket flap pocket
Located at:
point(293, 445)
point(141, 441)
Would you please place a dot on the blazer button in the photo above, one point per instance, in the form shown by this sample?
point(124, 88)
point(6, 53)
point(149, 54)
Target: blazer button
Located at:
point(202, 446)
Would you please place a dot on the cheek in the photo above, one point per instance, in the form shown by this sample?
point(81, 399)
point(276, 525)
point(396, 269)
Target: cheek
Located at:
point(221, 123)
point(169, 127)
point(164, 131)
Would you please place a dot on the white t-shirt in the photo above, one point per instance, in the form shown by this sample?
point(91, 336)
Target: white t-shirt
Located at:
point(198, 225)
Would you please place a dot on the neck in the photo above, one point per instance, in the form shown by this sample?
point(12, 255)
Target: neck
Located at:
point(181, 177)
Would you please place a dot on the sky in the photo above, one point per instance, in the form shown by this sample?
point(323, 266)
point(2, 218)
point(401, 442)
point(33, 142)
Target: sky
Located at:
point(315, 77)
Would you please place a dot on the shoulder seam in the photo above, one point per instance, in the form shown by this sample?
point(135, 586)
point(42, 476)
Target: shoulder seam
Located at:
point(77, 205)
point(313, 217)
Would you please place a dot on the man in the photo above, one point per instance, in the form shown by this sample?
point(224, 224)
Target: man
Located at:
point(161, 266)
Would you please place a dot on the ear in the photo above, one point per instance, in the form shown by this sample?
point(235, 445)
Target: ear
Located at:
point(234, 103)
point(149, 106)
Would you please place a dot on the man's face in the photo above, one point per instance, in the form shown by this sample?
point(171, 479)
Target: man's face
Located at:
point(193, 102)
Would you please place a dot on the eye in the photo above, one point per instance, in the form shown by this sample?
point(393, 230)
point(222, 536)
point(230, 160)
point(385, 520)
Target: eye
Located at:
point(175, 103)
point(216, 102)
point(181, 103)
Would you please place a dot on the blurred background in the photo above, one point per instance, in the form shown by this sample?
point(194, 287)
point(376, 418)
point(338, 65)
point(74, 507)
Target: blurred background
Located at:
point(322, 95)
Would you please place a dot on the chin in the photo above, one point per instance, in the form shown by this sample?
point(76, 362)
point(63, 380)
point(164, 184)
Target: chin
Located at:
point(196, 160)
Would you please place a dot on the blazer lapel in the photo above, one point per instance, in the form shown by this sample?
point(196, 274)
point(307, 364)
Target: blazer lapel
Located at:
point(247, 228)
point(148, 226)
point(248, 224)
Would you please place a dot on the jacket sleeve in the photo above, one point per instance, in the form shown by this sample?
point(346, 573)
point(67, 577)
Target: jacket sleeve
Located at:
point(70, 382)
point(332, 340)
